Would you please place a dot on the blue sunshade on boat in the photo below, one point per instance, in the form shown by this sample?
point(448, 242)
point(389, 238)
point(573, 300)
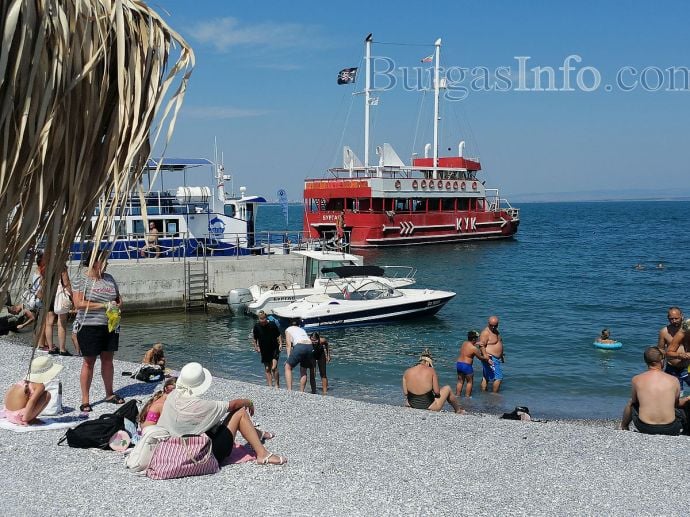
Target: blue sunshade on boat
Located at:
point(173, 164)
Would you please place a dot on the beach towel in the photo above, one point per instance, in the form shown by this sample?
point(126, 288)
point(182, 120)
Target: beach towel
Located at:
point(240, 454)
point(49, 423)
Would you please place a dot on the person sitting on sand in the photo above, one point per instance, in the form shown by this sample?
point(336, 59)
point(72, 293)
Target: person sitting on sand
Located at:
point(17, 317)
point(421, 390)
point(185, 413)
point(151, 412)
point(468, 351)
point(605, 337)
point(155, 355)
point(655, 402)
point(25, 400)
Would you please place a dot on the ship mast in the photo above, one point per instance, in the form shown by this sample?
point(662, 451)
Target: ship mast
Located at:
point(436, 95)
point(367, 100)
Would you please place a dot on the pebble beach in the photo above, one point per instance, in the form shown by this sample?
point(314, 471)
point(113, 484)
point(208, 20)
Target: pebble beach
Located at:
point(352, 458)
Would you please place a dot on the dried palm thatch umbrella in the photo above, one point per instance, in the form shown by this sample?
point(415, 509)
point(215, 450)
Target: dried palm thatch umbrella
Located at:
point(82, 84)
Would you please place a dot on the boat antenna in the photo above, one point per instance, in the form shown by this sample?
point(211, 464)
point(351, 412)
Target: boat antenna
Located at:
point(367, 101)
point(437, 57)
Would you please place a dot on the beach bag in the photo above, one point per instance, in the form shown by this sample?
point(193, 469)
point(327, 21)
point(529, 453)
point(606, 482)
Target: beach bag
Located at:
point(97, 433)
point(149, 373)
point(182, 456)
point(94, 433)
point(139, 458)
point(519, 413)
point(54, 407)
point(63, 303)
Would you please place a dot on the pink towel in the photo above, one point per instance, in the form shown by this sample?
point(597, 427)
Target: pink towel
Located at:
point(240, 454)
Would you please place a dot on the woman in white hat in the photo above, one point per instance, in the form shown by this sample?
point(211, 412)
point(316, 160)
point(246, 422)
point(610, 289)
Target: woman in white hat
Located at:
point(25, 400)
point(185, 413)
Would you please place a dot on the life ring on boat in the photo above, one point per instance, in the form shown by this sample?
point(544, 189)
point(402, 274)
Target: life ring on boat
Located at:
point(414, 184)
point(431, 183)
point(474, 185)
point(397, 184)
point(455, 185)
point(440, 184)
point(462, 185)
point(448, 184)
point(423, 183)
point(608, 346)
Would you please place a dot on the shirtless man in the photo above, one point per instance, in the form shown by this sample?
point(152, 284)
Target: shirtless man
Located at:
point(653, 407)
point(677, 356)
point(421, 389)
point(493, 369)
point(675, 318)
point(468, 351)
point(152, 248)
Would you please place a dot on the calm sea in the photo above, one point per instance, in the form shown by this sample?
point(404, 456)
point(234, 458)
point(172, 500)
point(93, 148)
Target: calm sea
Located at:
point(568, 274)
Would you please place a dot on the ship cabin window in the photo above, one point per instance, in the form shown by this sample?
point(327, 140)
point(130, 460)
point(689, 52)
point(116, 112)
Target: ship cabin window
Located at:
point(229, 210)
point(402, 205)
point(434, 205)
point(172, 228)
point(334, 205)
point(418, 205)
point(364, 203)
point(138, 228)
point(377, 204)
point(350, 203)
point(463, 203)
point(448, 204)
point(480, 205)
point(120, 228)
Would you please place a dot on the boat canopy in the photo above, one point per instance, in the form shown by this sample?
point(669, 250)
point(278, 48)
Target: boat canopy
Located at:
point(350, 271)
point(176, 164)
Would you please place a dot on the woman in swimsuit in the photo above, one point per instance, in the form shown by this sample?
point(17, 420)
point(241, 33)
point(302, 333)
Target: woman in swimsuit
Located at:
point(421, 389)
point(151, 411)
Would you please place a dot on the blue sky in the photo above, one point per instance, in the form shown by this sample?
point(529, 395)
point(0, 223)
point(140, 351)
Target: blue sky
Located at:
point(265, 86)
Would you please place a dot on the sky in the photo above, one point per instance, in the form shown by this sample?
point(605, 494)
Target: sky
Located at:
point(603, 116)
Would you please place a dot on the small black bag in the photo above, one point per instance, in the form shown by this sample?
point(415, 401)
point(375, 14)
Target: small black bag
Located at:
point(94, 433)
point(97, 433)
point(515, 413)
point(149, 373)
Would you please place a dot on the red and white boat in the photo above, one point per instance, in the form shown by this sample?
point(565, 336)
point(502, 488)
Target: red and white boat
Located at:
point(436, 199)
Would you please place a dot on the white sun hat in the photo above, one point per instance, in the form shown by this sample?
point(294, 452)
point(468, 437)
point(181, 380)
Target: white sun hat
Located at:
point(194, 380)
point(43, 369)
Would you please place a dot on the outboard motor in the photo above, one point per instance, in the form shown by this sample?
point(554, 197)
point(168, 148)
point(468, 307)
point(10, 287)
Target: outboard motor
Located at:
point(238, 299)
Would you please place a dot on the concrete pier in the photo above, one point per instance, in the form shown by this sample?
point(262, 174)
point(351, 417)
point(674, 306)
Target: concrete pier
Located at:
point(158, 284)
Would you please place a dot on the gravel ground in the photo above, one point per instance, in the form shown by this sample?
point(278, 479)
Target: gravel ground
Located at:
point(353, 458)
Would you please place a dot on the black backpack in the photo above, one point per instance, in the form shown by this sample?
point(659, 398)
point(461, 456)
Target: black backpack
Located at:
point(97, 433)
point(514, 414)
point(149, 373)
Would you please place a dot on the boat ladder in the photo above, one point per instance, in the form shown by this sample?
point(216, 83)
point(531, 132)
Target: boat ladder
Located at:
point(196, 283)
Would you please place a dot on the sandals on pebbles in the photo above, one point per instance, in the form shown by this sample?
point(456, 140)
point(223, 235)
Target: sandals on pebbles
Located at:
point(279, 460)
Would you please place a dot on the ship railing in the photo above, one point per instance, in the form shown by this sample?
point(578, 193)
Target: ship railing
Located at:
point(408, 272)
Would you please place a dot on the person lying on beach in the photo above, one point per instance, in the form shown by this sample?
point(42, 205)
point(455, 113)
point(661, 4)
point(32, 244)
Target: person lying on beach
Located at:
point(421, 390)
point(605, 337)
point(468, 351)
point(151, 412)
point(23, 317)
point(25, 400)
point(185, 413)
point(155, 355)
point(655, 404)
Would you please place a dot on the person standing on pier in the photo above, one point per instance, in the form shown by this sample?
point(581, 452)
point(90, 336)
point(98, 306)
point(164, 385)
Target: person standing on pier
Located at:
point(268, 343)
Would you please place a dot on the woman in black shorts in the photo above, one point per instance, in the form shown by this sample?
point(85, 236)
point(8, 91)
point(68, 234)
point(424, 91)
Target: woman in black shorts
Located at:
point(93, 292)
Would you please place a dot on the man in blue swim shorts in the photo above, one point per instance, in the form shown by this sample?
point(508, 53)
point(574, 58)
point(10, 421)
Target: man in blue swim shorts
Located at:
point(492, 340)
point(677, 356)
point(468, 351)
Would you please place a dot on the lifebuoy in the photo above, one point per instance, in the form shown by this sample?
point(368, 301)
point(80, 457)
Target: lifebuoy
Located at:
point(474, 185)
point(455, 185)
point(423, 183)
point(440, 184)
point(414, 184)
point(462, 185)
point(397, 184)
point(448, 184)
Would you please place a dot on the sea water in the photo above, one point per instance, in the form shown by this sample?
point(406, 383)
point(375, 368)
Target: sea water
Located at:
point(569, 272)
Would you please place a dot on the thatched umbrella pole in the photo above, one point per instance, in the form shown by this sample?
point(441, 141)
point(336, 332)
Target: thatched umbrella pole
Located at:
point(81, 87)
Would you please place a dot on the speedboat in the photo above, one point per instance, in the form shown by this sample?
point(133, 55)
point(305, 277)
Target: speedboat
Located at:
point(369, 301)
